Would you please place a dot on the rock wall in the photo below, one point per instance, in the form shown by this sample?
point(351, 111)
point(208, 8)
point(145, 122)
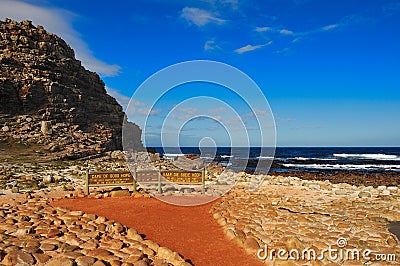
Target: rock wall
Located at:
point(40, 77)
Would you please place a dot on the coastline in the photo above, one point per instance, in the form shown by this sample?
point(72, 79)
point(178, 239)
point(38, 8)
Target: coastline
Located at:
point(286, 212)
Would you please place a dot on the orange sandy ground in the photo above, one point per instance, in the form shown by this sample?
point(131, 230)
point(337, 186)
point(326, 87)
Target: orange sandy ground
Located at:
point(191, 231)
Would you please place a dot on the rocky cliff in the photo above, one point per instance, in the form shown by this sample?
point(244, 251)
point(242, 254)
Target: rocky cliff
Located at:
point(48, 97)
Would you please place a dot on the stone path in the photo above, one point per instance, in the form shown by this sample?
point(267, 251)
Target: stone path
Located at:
point(289, 213)
point(190, 230)
point(34, 233)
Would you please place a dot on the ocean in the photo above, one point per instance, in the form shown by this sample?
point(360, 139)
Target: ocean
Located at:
point(309, 159)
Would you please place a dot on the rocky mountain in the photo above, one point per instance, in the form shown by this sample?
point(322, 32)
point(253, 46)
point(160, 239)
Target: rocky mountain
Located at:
point(48, 98)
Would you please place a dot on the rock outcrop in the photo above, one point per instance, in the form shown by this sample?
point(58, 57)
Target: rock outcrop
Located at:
point(48, 97)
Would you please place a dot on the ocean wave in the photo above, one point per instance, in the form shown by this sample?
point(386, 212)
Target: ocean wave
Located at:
point(345, 166)
point(314, 159)
point(265, 157)
point(226, 156)
point(207, 157)
point(366, 156)
point(172, 155)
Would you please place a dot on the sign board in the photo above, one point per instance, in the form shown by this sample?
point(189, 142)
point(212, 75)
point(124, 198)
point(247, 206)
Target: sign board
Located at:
point(145, 176)
point(110, 178)
point(182, 177)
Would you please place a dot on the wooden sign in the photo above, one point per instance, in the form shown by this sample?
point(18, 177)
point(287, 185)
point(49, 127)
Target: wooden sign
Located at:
point(110, 178)
point(147, 176)
point(182, 177)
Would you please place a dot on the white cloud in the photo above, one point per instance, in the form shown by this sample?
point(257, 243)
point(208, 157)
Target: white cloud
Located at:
point(391, 9)
point(233, 3)
point(286, 32)
point(223, 4)
point(284, 51)
point(121, 99)
point(57, 21)
point(211, 45)
point(330, 27)
point(200, 17)
point(135, 107)
point(307, 127)
point(185, 113)
point(275, 30)
point(263, 29)
point(250, 47)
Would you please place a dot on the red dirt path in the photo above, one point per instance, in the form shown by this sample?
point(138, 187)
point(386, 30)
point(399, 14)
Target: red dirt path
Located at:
point(191, 231)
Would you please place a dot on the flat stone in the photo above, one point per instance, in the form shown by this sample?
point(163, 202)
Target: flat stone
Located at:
point(148, 251)
point(364, 194)
point(164, 252)
point(154, 246)
point(251, 245)
point(240, 233)
point(47, 247)
point(100, 253)
point(120, 193)
point(54, 232)
point(238, 240)
point(294, 243)
point(340, 192)
point(99, 263)
point(175, 259)
point(64, 247)
point(22, 232)
point(142, 263)
point(114, 263)
point(112, 244)
point(60, 262)
point(71, 255)
point(391, 241)
point(41, 258)
point(85, 261)
point(76, 213)
point(73, 241)
point(132, 234)
point(115, 228)
point(18, 258)
point(91, 216)
point(230, 234)
point(90, 244)
point(133, 258)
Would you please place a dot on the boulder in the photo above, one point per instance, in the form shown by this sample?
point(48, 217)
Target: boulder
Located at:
point(120, 193)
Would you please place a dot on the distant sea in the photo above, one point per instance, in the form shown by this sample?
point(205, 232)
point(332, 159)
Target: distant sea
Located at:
point(310, 159)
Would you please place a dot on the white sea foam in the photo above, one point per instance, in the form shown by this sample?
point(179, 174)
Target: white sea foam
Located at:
point(377, 156)
point(207, 157)
point(226, 156)
point(172, 155)
point(265, 157)
point(345, 166)
point(316, 159)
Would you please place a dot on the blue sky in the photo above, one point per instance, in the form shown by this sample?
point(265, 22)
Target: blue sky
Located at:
point(330, 70)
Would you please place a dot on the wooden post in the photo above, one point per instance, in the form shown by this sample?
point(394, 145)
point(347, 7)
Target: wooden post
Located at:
point(87, 182)
point(203, 181)
point(134, 179)
point(159, 180)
